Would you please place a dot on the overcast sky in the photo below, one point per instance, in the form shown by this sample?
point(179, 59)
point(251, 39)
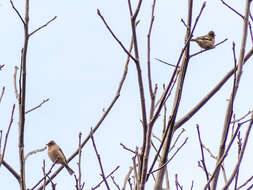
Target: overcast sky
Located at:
point(77, 64)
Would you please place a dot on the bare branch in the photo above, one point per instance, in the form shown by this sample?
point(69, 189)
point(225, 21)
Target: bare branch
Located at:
point(1, 66)
point(127, 177)
point(114, 182)
point(2, 93)
point(106, 178)
point(99, 160)
point(10, 169)
point(38, 106)
point(7, 134)
point(19, 15)
point(44, 176)
point(166, 163)
point(15, 82)
point(128, 149)
point(202, 155)
point(245, 183)
point(240, 156)
point(35, 151)
point(43, 26)
point(114, 36)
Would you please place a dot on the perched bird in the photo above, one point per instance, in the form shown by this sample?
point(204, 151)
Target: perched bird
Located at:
point(56, 155)
point(207, 41)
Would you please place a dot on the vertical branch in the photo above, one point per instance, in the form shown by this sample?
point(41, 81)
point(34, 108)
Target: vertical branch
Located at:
point(233, 93)
point(147, 141)
point(22, 92)
point(140, 84)
point(178, 94)
point(151, 92)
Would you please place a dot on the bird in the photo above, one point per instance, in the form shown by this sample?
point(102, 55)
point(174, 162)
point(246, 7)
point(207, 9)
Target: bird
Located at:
point(206, 41)
point(56, 155)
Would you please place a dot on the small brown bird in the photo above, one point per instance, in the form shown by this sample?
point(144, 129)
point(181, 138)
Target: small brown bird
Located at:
point(56, 155)
point(207, 41)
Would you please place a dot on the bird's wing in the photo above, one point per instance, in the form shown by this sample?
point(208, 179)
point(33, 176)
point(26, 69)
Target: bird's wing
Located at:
point(63, 155)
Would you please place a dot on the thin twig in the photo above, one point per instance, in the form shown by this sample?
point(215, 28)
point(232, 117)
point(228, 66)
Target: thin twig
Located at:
point(44, 176)
point(220, 161)
point(38, 106)
point(106, 178)
point(10, 169)
point(35, 151)
point(114, 182)
point(114, 36)
point(19, 15)
point(1, 66)
point(240, 156)
point(166, 163)
point(7, 134)
point(202, 155)
point(99, 160)
point(127, 177)
point(43, 26)
point(15, 82)
point(245, 183)
point(166, 63)
point(2, 93)
point(128, 149)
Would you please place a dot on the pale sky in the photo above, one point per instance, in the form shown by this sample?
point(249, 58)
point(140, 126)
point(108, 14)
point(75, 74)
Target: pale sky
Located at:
point(76, 63)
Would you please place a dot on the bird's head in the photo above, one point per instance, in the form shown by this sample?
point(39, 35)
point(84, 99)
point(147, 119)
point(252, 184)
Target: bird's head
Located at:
point(211, 33)
point(51, 143)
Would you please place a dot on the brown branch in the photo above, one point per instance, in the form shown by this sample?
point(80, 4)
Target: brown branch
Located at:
point(202, 155)
point(114, 182)
point(1, 66)
point(221, 159)
point(245, 183)
point(231, 8)
point(167, 162)
point(240, 156)
point(11, 170)
point(43, 26)
point(166, 63)
point(143, 161)
point(147, 132)
point(7, 134)
point(2, 93)
point(38, 106)
point(128, 149)
point(99, 161)
point(35, 151)
point(79, 184)
point(44, 177)
point(233, 93)
point(15, 82)
point(19, 15)
point(127, 177)
point(151, 93)
point(114, 36)
point(98, 185)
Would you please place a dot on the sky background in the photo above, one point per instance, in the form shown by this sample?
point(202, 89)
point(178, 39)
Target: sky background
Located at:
point(77, 64)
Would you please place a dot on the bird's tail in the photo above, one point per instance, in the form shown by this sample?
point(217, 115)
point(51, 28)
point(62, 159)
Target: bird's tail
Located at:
point(69, 170)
